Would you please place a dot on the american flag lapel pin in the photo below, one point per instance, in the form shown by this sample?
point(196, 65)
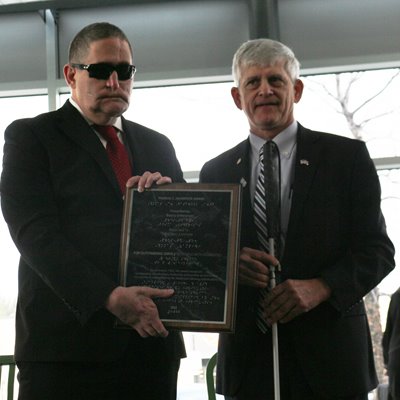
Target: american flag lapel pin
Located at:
point(305, 162)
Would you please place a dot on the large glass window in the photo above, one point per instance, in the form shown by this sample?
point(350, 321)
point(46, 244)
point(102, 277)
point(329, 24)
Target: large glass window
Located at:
point(202, 121)
point(362, 105)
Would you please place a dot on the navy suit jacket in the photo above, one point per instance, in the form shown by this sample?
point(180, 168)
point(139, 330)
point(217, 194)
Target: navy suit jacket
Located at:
point(336, 232)
point(63, 206)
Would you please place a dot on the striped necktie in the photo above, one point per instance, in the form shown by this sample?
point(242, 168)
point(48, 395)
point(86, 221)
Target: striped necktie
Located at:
point(267, 211)
point(117, 154)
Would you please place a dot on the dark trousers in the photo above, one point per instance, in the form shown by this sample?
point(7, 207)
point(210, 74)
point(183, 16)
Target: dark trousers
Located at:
point(293, 383)
point(394, 385)
point(139, 376)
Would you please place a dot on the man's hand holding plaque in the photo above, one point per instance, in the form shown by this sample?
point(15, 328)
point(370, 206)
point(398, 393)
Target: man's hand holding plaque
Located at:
point(133, 306)
point(147, 180)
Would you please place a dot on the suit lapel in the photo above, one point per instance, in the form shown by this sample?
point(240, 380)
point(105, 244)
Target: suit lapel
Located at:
point(241, 165)
point(240, 168)
point(307, 160)
point(73, 125)
point(139, 159)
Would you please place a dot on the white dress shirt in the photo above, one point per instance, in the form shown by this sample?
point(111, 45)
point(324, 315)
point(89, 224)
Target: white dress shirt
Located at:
point(287, 144)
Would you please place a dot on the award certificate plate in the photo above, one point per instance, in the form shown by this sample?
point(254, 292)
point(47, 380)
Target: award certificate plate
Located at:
point(185, 237)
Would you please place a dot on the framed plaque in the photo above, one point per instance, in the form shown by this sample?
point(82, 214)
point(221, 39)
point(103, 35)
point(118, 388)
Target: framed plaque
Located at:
point(185, 237)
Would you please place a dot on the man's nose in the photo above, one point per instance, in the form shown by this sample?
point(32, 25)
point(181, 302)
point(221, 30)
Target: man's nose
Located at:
point(265, 88)
point(113, 81)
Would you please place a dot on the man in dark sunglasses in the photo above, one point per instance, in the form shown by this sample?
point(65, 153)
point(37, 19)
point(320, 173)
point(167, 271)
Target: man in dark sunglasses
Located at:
point(103, 71)
point(62, 197)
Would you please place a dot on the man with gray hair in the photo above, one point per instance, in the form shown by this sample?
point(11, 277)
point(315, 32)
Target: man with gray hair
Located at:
point(331, 246)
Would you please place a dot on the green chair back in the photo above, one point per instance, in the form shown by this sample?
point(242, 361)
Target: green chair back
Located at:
point(210, 377)
point(10, 362)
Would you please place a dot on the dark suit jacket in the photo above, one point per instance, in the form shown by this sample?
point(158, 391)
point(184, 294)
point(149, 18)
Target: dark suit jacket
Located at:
point(63, 206)
point(391, 338)
point(337, 232)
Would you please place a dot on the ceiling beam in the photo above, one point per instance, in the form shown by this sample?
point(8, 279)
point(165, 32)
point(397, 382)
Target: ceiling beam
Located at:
point(264, 19)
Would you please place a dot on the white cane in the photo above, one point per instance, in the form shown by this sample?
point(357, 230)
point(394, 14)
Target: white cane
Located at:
point(275, 342)
point(272, 177)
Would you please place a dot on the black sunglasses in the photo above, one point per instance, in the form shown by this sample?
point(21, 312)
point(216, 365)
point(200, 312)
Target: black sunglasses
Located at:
point(104, 70)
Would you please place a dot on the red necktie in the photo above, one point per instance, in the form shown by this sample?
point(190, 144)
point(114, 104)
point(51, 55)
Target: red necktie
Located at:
point(117, 154)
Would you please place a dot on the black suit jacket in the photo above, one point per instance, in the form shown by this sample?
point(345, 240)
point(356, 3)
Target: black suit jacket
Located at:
point(337, 232)
point(63, 206)
point(391, 337)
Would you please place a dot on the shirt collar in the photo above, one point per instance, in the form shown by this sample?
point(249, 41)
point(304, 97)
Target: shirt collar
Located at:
point(285, 140)
point(117, 124)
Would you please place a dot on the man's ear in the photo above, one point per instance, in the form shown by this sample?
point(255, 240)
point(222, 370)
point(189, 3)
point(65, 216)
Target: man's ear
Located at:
point(69, 75)
point(236, 97)
point(298, 90)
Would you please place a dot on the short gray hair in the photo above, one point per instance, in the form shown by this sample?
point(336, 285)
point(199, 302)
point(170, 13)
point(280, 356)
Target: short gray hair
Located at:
point(264, 52)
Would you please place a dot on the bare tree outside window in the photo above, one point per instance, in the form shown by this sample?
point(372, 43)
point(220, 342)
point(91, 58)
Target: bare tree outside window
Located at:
point(348, 102)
